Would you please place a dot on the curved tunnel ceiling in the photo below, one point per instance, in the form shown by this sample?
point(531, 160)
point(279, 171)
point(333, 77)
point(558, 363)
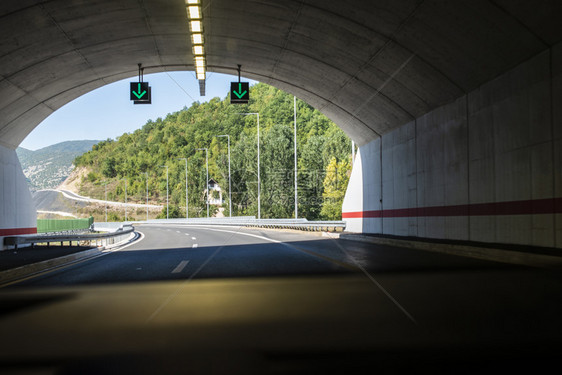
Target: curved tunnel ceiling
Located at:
point(369, 65)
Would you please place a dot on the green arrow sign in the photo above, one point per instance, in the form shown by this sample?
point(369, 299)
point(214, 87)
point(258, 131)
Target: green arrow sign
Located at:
point(139, 91)
point(239, 92)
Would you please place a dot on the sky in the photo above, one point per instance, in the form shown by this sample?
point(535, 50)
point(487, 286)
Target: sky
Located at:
point(108, 112)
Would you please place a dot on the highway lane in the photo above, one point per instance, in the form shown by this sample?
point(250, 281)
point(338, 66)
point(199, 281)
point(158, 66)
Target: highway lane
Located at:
point(168, 252)
point(202, 252)
point(181, 287)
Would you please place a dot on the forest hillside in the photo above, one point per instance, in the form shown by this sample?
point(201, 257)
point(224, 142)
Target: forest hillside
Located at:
point(133, 159)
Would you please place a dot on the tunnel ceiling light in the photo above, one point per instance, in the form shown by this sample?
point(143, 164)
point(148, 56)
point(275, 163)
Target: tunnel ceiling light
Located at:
point(198, 50)
point(194, 12)
point(195, 26)
point(195, 18)
point(197, 38)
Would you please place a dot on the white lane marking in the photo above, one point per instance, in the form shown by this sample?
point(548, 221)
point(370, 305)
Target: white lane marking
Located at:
point(180, 266)
point(178, 232)
point(193, 238)
point(195, 246)
point(247, 234)
point(187, 234)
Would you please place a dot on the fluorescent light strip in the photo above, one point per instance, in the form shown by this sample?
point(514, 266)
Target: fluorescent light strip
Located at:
point(194, 15)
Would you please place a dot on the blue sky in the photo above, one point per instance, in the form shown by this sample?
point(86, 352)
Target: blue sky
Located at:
point(107, 111)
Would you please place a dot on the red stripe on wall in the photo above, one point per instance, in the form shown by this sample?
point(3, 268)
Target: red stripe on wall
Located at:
point(17, 231)
point(527, 207)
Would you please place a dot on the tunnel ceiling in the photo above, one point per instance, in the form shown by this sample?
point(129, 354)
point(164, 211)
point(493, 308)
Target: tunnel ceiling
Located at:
point(369, 65)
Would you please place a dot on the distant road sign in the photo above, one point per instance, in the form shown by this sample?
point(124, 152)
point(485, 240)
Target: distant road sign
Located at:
point(239, 92)
point(139, 91)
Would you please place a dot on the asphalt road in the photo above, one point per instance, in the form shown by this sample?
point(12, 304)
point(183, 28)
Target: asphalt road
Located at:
point(287, 292)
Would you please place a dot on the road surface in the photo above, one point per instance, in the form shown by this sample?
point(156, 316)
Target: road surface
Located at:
point(261, 298)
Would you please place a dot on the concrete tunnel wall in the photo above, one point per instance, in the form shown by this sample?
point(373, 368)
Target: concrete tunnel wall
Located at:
point(487, 167)
point(17, 211)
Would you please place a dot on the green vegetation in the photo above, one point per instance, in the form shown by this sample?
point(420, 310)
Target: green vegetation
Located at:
point(322, 147)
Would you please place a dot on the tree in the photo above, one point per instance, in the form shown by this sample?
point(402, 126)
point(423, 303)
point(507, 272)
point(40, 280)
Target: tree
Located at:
point(335, 185)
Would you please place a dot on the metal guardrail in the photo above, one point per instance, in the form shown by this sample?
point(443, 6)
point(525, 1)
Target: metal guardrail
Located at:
point(295, 224)
point(310, 226)
point(103, 239)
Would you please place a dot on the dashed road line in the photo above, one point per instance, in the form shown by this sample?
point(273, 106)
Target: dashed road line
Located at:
point(180, 266)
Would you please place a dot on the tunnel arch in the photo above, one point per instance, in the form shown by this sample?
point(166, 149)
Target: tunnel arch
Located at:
point(371, 66)
point(402, 78)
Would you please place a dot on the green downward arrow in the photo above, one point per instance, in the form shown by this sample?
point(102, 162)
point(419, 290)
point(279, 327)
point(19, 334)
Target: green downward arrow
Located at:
point(239, 93)
point(139, 94)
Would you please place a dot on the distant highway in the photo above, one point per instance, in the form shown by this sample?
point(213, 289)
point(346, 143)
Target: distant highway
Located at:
point(63, 202)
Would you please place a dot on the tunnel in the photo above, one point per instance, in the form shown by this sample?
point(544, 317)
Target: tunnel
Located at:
point(455, 105)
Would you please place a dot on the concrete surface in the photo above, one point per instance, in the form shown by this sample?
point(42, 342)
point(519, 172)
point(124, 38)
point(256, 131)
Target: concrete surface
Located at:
point(483, 168)
point(17, 211)
point(371, 66)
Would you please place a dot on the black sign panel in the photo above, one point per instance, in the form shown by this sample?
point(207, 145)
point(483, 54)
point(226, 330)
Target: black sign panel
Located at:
point(139, 91)
point(239, 92)
point(147, 101)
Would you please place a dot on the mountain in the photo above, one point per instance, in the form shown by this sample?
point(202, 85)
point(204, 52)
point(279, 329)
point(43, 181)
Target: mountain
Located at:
point(48, 167)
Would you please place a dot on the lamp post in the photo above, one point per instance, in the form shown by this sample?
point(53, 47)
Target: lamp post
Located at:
point(167, 201)
point(229, 184)
point(105, 186)
point(125, 199)
point(259, 181)
point(186, 195)
point(295, 143)
point(207, 180)
point(146, 173)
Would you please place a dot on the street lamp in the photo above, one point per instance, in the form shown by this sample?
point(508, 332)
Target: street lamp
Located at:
point(125, 199)
point(105, 185)
point(295, 143)
point(167, 205)
point(207, 180)
point(186, 204)
point(229, 185)
point(259, 181)
point(146, 173)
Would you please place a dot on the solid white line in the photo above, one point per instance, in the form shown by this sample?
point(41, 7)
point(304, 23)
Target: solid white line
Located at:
point(180, 266)
point(246, 234)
